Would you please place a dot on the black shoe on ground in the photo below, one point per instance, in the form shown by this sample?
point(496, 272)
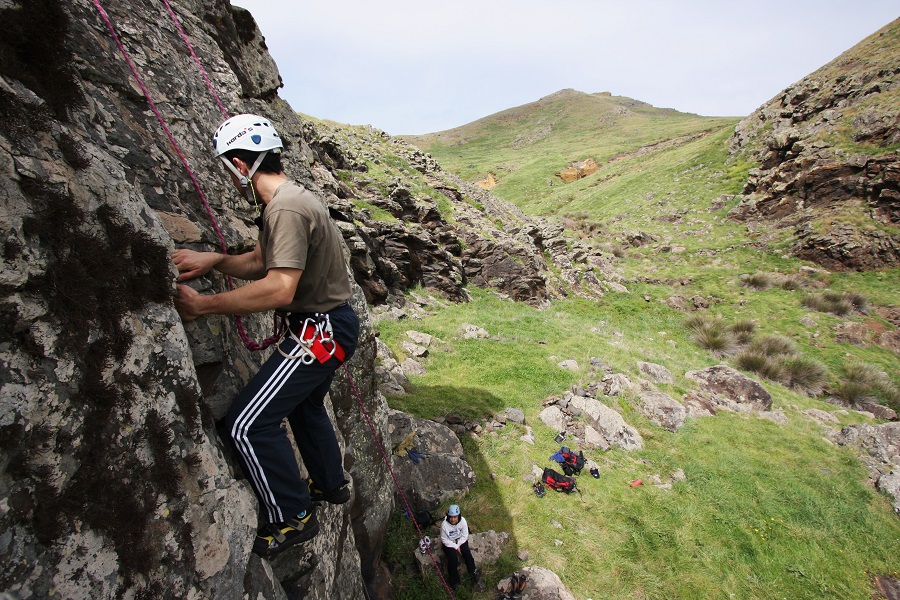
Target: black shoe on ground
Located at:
point(339, 495)
point(274, 538)
point(476, 577)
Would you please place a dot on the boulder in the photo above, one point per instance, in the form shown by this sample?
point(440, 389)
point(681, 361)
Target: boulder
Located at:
point(414, 350)
point(554, 418)
point(528, 438)
point(879, 410)
point(822, 417)
point(515, 415)
point(569, 365)
point(881, 442)
point(442, 474)
point(593, 440)
point(541, 584)
point(722, 380)
point(472, 332)
point(699, 405)
point(615, 384)
point(889, 484)
point(609, 424)
point(419, 338)
point(662, 410)
point(656, 373)
point(486, 548)
point(412, 367)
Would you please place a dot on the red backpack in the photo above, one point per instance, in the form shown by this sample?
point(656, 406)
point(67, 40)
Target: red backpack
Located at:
point(574, 462)
point(557, 481)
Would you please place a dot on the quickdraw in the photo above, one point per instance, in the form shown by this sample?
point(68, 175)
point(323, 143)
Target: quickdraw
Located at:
point(315, 341)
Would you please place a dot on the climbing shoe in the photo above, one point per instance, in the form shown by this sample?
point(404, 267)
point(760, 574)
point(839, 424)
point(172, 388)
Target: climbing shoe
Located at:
point(274, 538)
point(339, 495)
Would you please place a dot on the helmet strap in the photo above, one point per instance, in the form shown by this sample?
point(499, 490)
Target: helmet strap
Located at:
point(245, 179)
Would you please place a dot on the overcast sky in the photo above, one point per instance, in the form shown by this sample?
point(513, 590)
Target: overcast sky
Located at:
point(419, 66)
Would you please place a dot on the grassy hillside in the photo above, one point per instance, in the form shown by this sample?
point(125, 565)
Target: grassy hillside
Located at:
point(767, 510)
point(525, 147)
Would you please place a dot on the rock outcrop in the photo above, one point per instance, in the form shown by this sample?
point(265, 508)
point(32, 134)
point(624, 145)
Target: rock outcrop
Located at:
point(880, 445)
point(114, 481)
point(733, 387)
point(826, 168)
point(428, 461)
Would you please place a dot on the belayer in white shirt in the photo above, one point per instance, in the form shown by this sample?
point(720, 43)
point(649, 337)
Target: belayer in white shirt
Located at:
point(455, 539)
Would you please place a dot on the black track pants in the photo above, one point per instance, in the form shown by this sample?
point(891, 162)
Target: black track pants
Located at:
point(287, 388)
point(453, 562)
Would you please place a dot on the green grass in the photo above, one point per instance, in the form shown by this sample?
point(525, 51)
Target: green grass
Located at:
point(767, 511)
point(581, 126)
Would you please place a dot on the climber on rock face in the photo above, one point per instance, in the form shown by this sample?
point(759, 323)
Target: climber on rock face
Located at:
point(298, 268)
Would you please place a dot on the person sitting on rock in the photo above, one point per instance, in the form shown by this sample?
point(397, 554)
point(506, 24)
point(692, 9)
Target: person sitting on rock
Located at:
point(455, 539)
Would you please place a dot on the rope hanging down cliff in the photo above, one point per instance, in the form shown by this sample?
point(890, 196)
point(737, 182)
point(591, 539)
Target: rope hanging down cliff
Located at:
point(278, 325)
point(247, 342)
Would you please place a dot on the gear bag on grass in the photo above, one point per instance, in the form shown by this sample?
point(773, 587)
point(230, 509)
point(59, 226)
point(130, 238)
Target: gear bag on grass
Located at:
point(424, 518)
point(557, 481)
point(569, 462)
point(574, 462)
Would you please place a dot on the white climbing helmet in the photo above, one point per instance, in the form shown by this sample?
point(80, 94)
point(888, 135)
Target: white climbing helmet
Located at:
point(453, 511)
point(246, 132)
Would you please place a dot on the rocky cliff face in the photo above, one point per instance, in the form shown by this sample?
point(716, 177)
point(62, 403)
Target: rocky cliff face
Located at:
point(113, 480)
point(408, 222)
point(828, 161)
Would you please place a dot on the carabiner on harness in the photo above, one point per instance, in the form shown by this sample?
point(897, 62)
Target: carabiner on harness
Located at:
point(316, 330)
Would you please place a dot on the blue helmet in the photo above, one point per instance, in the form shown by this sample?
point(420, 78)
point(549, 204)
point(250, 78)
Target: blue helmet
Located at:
point(453, 511)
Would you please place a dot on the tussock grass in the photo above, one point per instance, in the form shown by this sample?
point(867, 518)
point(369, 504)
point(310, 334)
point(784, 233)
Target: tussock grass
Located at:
point(859, 302)
point(754, 361)
point(792, 282)
point(759, 362)
point(853, 392)
point(717, 340)
point(743, 330)
point(773, 345)
point(863, 382)
point(836, 303)
point(712, 333)
point(804, 373)
point(864, 373)
point(758, 281)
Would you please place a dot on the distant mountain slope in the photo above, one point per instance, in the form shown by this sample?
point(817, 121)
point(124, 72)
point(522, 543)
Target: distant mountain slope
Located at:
point(827, 148)
point(529, 151)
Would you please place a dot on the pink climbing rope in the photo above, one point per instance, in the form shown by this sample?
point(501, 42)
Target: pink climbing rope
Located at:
point(247, 342)
point(190, 47)
point(278, 326)
point(387, 461)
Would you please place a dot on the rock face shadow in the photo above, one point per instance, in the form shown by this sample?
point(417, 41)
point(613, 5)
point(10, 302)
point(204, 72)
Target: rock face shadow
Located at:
point(435, 468)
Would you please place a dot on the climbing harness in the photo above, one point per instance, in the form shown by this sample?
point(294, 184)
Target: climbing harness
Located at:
point(315, 341)
point(280, 321)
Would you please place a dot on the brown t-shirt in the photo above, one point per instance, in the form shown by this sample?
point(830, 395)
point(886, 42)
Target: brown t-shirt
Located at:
point(298, 234)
